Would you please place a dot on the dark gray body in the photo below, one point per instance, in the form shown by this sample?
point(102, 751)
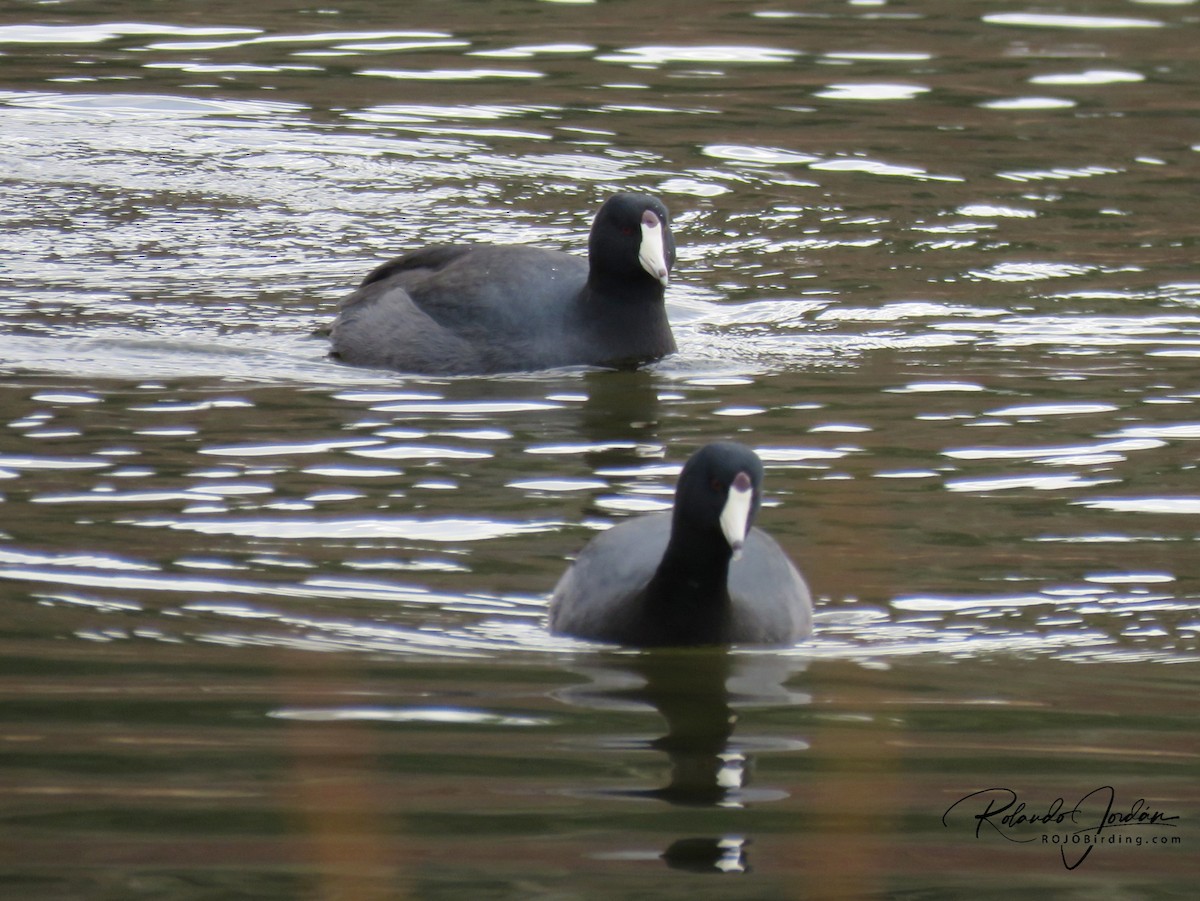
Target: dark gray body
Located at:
point(475, 309)
point(602, 596)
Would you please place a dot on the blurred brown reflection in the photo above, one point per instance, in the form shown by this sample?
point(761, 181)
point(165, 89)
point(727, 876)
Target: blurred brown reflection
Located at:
point(848, 798)
point(329, 790)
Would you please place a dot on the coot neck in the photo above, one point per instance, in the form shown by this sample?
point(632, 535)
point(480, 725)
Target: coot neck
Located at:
point(627, 318)
point(688, 596)
point(609, 293)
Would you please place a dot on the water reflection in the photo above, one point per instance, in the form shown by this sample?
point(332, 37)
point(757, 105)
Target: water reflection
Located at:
point(936, 271)
point(699, 693)
point(487, 487)
point(728, 854)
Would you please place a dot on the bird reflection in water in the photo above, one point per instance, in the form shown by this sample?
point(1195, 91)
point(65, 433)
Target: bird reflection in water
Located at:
point(698, 691)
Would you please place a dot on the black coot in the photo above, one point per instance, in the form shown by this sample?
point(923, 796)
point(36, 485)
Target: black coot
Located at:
point(700, 574)
point(460, 309)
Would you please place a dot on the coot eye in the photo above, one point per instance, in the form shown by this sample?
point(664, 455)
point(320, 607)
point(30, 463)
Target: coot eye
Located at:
point(715, 484)
point(626, 230)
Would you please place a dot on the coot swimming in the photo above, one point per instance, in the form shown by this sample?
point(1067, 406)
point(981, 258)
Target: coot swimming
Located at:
point(461, 309)
point(700, 574)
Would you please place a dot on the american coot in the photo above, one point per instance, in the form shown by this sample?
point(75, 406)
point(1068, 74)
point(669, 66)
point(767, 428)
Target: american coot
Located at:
point(460, 309)
point(700, 574)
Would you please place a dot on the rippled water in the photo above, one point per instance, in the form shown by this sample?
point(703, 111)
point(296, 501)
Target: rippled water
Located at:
point(272, 626)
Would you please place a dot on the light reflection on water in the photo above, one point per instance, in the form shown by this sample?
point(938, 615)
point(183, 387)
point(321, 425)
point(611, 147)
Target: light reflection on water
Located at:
point(272, 494)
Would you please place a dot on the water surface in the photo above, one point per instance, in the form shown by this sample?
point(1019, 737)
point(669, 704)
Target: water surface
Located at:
point(272, 626)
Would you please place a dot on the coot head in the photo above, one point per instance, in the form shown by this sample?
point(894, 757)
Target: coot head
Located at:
point(719, 493)
point(631, 241)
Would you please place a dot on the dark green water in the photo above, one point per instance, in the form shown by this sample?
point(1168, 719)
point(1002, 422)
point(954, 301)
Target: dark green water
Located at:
point(271, 627)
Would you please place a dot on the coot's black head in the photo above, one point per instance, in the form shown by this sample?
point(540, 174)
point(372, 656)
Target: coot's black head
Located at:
point(718, 494)
point(631, 244)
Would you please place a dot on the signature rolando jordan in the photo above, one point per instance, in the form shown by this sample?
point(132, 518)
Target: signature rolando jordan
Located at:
point(1095, 819)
